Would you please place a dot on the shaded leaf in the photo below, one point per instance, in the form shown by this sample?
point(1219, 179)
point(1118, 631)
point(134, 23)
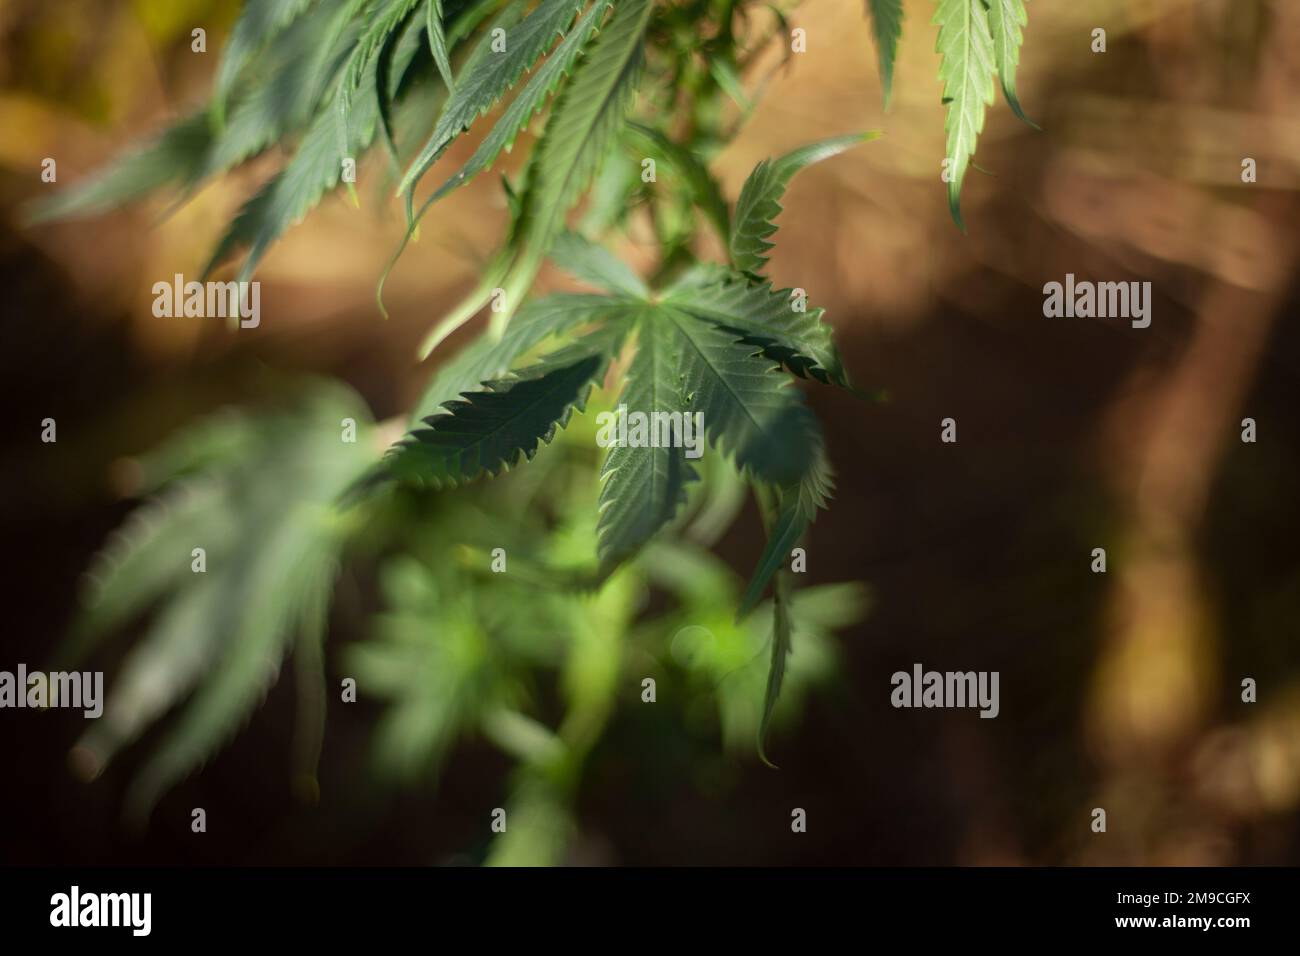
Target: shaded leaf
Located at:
point(782, 637)
point(797, 506)
point(704, 189)
point(537, 321)
point(759, 315)
point(490, 430)
point(751, 412)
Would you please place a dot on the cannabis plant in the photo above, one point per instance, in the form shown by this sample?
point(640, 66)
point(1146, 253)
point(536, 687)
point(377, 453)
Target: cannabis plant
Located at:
point(485, 587)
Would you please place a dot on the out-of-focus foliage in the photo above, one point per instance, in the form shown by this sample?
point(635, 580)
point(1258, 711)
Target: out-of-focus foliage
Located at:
point(709, 345)
point(715, 346)
point(462, 645)
point(237, 553)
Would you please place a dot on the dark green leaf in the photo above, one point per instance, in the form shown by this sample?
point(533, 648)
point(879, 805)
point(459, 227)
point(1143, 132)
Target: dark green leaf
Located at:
point(761, 316)
point(645, 486)
point(488, 431)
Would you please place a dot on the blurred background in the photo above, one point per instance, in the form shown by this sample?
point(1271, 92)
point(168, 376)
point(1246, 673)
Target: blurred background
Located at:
point(1119, 690)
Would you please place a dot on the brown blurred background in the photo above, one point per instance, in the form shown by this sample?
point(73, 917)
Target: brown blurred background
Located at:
point(1119, 690)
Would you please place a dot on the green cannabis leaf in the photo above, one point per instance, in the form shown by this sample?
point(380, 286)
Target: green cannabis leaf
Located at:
point(588, 112)
point(977, 38)
point(490, 430)
point(760, 198)
point(644, 487)
point(887, 24)
point(259, 22)
point(966, 72)
point(267, 569)
point(275, 499)
point(511, 45)
point(1006, 17)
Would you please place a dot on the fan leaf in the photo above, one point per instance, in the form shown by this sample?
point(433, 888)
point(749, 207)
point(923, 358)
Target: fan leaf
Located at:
point(316, 169)
point(1006, 19)
point(887, 26)
point(966, 71)
point(488, 74)
point(587, 115)
point(760, 197)
point(797, 507)
point(490, 430)
point(751, 412)
point(759, 315)
point(596, 266)
point(537, 321)
point(259, 22)
point(529, 101)
point(644, 486)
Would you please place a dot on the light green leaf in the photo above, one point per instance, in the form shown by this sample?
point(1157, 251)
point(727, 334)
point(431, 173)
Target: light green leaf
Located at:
point(161, 669)
point(148, 555)
point(966, 72)
point(268, 524)
point(760, 197)
point(293, 569)
point(435, 663)
point(1006, 18)
point(887, 25)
